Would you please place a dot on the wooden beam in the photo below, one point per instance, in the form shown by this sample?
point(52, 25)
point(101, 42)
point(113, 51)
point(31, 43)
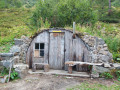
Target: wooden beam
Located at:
point(72, 63)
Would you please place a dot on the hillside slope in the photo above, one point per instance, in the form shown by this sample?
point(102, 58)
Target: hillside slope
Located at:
point(13, 24)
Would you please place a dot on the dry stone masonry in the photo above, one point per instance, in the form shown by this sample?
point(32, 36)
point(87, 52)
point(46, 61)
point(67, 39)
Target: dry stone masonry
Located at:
point(98, 48)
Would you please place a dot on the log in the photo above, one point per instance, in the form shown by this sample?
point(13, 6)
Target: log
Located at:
point(72, 63)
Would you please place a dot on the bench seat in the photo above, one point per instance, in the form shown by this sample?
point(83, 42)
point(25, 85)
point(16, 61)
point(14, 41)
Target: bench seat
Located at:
point(73, 63)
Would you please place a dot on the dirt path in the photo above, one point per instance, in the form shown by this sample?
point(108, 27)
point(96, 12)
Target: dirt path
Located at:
point(49, 82)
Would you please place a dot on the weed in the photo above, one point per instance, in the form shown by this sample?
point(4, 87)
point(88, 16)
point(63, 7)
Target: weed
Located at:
point(13, 75)
point(107, 75)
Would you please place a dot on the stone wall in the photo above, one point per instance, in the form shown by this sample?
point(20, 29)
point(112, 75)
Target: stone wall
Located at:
point(98, 49)
point(20, 48)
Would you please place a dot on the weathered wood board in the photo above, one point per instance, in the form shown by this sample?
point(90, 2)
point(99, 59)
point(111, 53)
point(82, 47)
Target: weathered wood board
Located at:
point(56, 51)
point(68, 47)
point(59, 47)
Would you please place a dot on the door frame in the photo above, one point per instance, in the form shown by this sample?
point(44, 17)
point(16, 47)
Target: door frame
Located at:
point(64, 46)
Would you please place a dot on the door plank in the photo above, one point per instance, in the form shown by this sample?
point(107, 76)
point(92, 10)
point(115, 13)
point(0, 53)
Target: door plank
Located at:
point(56, 51)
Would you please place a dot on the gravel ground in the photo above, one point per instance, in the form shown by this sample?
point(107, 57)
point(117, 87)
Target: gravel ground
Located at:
point(49, 82)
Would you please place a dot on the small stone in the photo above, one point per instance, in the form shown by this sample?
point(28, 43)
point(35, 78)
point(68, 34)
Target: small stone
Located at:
point(107, 65)
point(105, 45)
point(99, 47)
point(95, 51)
point(101, 41)
point(116, 65)
point(69, 77)
point(23, 37)
point(105, 48)
point(103, 52)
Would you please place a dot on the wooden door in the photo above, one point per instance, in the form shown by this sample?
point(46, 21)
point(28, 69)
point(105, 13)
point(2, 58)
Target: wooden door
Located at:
point(56, 51)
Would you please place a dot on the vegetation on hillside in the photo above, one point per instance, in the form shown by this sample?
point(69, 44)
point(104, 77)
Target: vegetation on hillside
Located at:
point(24, 17)
point(17, 3)
point(64, 12)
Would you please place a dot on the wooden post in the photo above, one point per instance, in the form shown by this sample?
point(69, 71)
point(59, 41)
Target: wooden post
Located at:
point(33, 67)
point(46, 68)
point(73, 30)
point(70, 69)
point(73, 27)
point(9, 72)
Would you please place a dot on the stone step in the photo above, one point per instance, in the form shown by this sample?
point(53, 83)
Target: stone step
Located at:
point(61, 72)
point(22, 69)
point(21, 66)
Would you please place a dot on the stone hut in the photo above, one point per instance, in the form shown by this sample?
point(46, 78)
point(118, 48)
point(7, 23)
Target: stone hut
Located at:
point(57, 46)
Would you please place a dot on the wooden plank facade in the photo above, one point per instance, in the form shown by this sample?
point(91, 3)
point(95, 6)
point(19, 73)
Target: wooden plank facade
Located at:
point(55, 47)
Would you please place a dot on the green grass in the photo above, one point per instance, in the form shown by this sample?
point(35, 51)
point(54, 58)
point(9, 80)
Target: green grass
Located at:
point(5, 48)
point(97, 86)
point(13, 24)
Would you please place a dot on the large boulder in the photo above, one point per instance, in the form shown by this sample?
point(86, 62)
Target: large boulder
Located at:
point(7, 63)
point(101, 69)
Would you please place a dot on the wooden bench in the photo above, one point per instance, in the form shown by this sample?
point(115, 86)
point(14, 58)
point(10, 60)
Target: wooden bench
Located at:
point(46, 66)
point(73, 63)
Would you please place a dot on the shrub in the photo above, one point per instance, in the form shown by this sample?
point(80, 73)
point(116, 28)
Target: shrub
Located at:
point(113, 18)
point(116, 3)
point(64, 12)
point(115, 56)
point(110, 20)
point(10, 3)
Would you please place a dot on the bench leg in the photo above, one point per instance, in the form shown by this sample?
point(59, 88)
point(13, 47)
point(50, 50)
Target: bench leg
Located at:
point(34, 68)
point(46, 68)
point(70, 69)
